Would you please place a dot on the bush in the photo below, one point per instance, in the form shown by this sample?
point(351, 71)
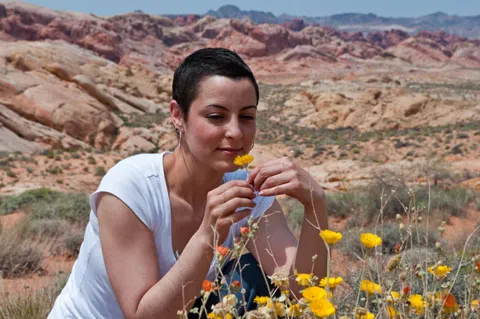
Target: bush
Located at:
point(70, 207)
point(32, 305)
point(294, 212)
point(100, 171)
point(366, 202)
point(10, 203)
point(17, 256)
point(391, 236)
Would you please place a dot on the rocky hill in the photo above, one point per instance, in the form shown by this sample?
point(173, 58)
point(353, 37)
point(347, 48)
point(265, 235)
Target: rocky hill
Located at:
point(72, 80)
point(465, 26)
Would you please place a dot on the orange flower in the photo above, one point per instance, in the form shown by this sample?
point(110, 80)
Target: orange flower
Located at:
point(398, 247)
point(207, 285)
point(477, 263)
point(449, 304)
point(235, 285)
point(244, 231)
point(223, 251)
point(406, 290)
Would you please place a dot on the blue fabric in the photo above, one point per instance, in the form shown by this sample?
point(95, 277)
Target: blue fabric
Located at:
point(252, 280)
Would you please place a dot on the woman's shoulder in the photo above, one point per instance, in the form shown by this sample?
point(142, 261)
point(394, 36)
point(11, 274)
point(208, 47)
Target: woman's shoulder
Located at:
point(145, 164)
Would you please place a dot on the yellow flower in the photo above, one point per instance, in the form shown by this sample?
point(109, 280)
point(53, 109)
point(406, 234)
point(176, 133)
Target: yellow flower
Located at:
point(212, 315)
point(439, 271)
point(363, 313)
point(294, 311)
point(417, 302)
point(261, 300)
point(331, 237)
point(314, 293)
point(276, 307)
point(332, 282)
point(304, 280)
point(370, 287)
point(392, 313)
point(322, 308)
point(243, 160)
point(370, 240)
point(394, 295)
point(475, 305)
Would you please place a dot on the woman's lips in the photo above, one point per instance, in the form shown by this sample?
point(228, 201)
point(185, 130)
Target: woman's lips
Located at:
point(230, 151)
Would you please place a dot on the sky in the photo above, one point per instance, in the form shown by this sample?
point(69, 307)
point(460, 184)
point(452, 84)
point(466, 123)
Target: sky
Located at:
point(387, 8)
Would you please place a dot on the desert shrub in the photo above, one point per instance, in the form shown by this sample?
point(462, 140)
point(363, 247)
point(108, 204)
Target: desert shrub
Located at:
point(31, 305)
point(10, 203)
point(343, 204)
point(391, 236)
point(46, 228)
point(70, 207)
point(367, 202)
point(453, 201)
point(100, 171)
point(294, 213)
point(73, 242)
point(17, 256)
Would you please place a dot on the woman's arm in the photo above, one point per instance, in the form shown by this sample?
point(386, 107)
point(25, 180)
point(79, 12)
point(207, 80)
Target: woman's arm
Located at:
point(277, 250)
point(275, 246)
point(131, 259)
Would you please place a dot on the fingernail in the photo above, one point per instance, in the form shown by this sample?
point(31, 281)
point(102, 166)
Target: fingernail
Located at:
point(260, 193)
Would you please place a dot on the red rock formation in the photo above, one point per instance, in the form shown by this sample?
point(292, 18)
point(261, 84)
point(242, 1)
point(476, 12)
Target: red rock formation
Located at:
point(295, 25)
point(185, 20)
point(387, 39)
point(277, 38)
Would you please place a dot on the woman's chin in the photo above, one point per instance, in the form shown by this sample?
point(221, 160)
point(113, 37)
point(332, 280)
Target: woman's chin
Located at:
point(226, 167)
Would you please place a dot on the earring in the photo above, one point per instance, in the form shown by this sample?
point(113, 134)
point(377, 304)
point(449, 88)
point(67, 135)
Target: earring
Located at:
point(179, 138)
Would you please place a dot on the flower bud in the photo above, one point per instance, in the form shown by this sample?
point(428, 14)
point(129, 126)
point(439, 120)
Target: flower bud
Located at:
point(398, 217)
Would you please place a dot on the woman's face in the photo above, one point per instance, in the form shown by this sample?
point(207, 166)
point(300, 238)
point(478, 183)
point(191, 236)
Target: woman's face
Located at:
point(221, 122)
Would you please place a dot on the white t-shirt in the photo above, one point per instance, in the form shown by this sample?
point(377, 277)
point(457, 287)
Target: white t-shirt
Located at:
point(139, 181)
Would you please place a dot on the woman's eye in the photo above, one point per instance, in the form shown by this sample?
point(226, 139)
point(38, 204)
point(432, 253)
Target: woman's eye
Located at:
point(214, 116)
point(248, 117)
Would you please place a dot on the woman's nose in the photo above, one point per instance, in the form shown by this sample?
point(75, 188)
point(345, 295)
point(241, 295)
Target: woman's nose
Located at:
point(233, 129)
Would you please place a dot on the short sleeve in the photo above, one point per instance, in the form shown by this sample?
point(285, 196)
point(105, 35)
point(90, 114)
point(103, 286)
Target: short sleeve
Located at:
point(127, 183)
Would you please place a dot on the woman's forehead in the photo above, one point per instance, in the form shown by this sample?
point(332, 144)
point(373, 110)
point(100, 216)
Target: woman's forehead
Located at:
point(220, 90)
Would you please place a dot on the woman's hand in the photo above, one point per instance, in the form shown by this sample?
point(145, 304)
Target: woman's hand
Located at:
point(283, 177)
point(220, 209)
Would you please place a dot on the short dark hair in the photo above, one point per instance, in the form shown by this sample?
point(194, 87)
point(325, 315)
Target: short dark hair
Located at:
point(204, 63)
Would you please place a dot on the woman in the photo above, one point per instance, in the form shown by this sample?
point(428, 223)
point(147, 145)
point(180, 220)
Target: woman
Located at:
point(156, 218)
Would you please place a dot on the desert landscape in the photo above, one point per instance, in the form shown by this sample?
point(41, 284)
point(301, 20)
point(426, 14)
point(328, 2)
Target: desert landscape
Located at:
point(386, 121)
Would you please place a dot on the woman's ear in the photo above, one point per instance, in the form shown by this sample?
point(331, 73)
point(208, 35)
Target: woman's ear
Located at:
point(176, 115)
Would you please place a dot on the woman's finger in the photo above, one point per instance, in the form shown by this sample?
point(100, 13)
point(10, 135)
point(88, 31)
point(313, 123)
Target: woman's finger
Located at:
point(230, 207)
point(254, 172)
point(265, 173)
point(283, 189)
point(230, 193)
point(277, 180)
point(229, 185)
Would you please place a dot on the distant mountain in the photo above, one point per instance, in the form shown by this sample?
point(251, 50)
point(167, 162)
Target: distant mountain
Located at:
point(233, 12)
point(466, 26)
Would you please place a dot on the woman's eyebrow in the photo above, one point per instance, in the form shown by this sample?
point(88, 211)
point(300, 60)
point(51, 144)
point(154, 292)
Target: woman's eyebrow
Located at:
point(226, 109)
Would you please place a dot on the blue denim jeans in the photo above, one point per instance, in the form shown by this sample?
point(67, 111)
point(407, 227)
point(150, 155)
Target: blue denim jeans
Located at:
point(253, 283)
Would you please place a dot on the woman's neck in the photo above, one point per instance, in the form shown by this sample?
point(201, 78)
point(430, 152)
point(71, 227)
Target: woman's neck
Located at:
point(188, 179)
